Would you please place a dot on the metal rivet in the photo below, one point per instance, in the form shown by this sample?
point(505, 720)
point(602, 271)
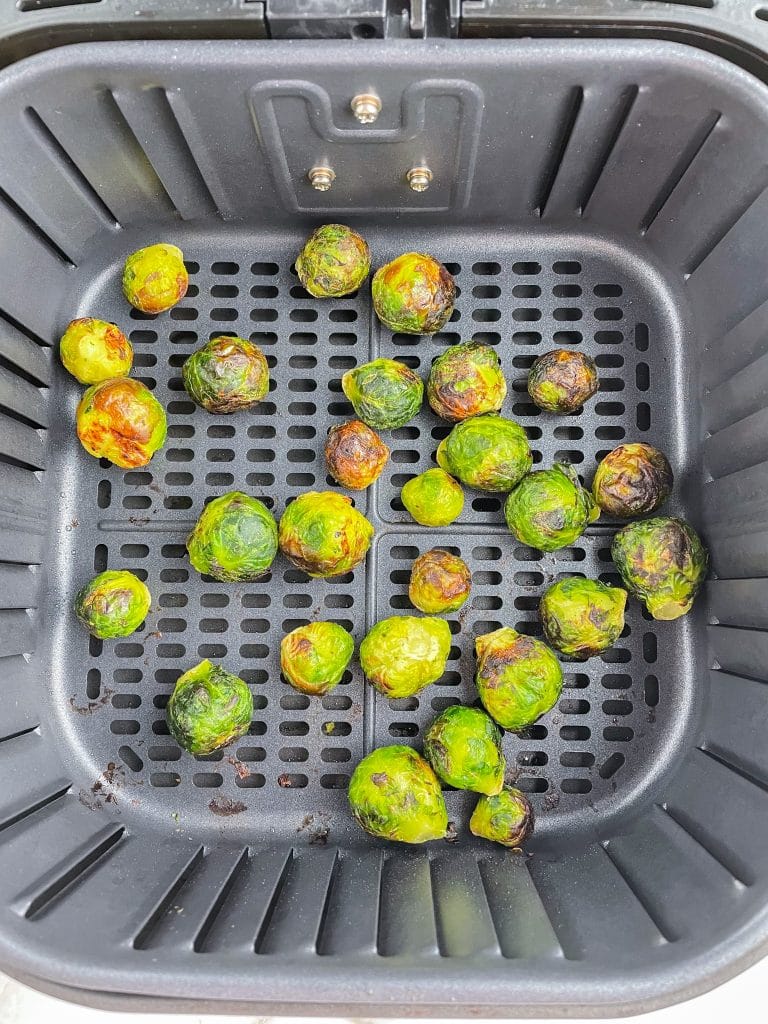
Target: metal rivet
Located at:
point(321, 178)
point(366, 107)
point(419, 178)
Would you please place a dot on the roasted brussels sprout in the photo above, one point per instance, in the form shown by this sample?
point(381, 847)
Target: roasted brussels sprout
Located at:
point(403, 654)
point(506, 818)
point(463, 745)
point(155, 278)
point(226, 375)
point(433, 498)
point(209, 708)
point(549, 509)
point(466, 380)
point(323, 534)
point(121, 420)
point(114, 603)
point(385, 394)
point(632, 480)
point(582, 617)
point(413, 294)
point(314, 657)
point(234, 540)
point(440, 582)
point(335, 261)
point(663, 562)
point(394, 794)
point(355, 454)
point(487, 452)
point(562, 380)
point(518, 677)
point(94, 350)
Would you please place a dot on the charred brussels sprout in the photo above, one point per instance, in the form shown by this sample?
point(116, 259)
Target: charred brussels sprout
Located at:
point(394, 794)
point(433, 498)
point(209, 708)
point(582, 617)
point(440, 582)
point(562, 380)
point(94, 350)
point(518, 677)
point(323, 534)
point(335, 261)
point(355, 455)
point(413, 294)
point(226, 375)
point(506, 818)
point(632, 480)
point(155, 278)
point(121, 420)
point(663, 562)
point(549, 508)
point(314, 657)
point(466, 380)
point(234, 540)
point(114, 603)
point(463, 745)
point(403, 654)
point(487, 452)
point(385, 394)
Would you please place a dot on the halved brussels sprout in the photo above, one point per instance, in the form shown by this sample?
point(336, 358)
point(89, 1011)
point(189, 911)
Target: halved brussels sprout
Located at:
point(315, 657)
point(209, 708)
point(335, 261)
point(582, 617)
point(155, 278)
point(414, 294)
point(518, 677)
point(463, 745)
point(562, 381)
point(403, 654)
point(323, 534)
point(506, 818)
point(121, 420)
point(549, 509)
point(94, 350)
point(114, 603)
point(632, 480)
point(234, 540)
point(490, 453)
point(466, 380)
point(440, 582)
point(384, 393)
point(433, 498)
point(226, 375)
point(355, 454)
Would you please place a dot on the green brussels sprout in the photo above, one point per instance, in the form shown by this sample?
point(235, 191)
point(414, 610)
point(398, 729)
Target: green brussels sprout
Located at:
point(562, 380)
point(440, 582)
point(226, 375)
point(355, 454)
point(234, 540)
point(518, 677)
point(323, 534)
point(394, 794)
point(466, 380)
point(433, 498)
point(632, 480)
point(490, 453)
point(663, 562)
point(414, 294)
point(335, 261)
point(549, 509)
point(582, 617)
point(114, 603)
point(155, 278)
point(314, 657)
point(403, 654)
point(463, 745)
point(209, 708)
point(506, 818)
point(385, 394)
point(121, 420)
point(94, 350)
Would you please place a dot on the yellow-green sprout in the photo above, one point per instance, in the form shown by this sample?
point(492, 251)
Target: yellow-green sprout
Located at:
point(433, 498)
point(234, 540)
point(94, 350)
point(463, 745)
point(490, 453)
point(226, 375)
point(632, 480)
point(209, 708)
point(114, 603)
point(518, 677)
point(466, 380)
point(384, 393)
point(315, 657)
point(414, 294)
point(505, 818)
point(403, 654)
point(323, 534)
point(155, 278)
point(121, 420)
point(440, 582)
point(549, 509)
point(335, 261)
point(582, 617)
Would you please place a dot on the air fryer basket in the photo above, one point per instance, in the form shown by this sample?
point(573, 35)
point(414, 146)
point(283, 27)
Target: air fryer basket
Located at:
point(604, 195)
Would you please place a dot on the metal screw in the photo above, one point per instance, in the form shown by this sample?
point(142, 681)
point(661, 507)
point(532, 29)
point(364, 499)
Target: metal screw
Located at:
point(366, 107)
point(321, 178)
point(419, 178)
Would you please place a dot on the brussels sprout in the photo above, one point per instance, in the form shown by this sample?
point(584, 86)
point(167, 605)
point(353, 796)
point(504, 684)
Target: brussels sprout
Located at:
point(506, 818)
point(403, 654)
point(582, 617)
point(518, 677)
point(234, 540)
point(632, 480)
point(487, 452)
point(314, 657)
point(440, 582)
point(323, 534)
point(549, 508)
point(155, 278)
point(355, 454)
point(94, 350)
point(433, 498)
point(335, 261)
point(663, 562)
point(394, 794)
point(466, 380)
point(385, 394)
point(114, 603)
point(209, 708)
point(121, 420)
point(226, 375)
point(463, 745)
point(562, 380)
point(413, 294)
